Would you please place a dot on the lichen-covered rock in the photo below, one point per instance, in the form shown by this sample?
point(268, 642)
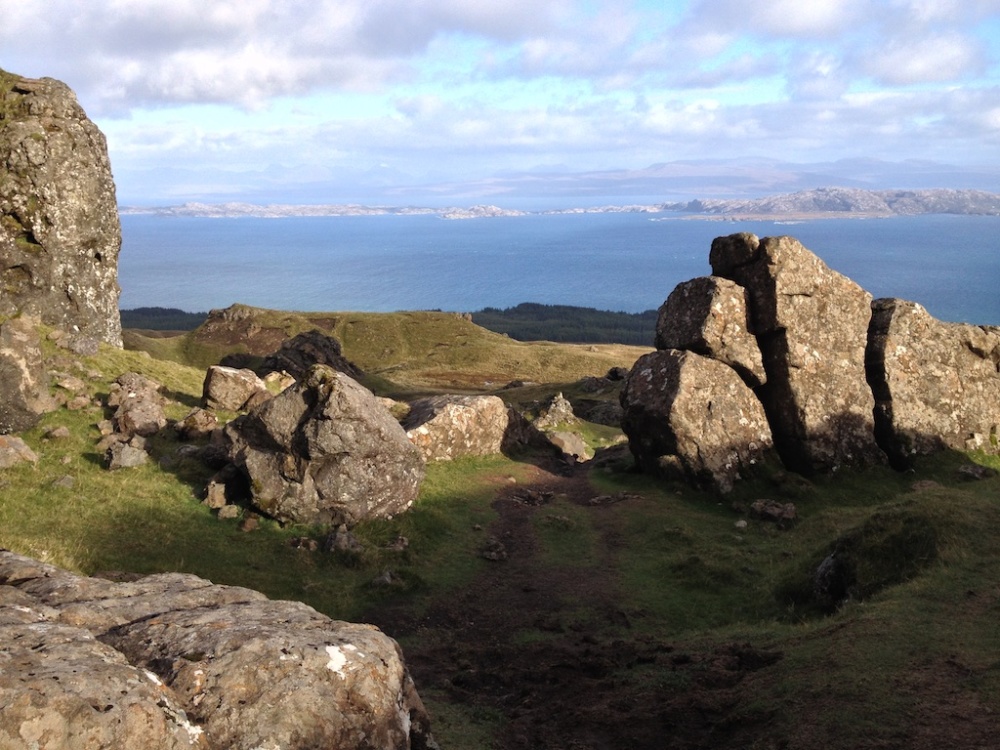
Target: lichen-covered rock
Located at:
point(24, 396)
point(325, 451)
point(59, 230)
point(811, 324)
point(230, 388)
point(446, 427)
point(708, 316)
point(690, 415)
point(936, 385)
point(180, 662)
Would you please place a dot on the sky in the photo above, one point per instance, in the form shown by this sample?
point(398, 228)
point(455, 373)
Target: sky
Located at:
point(439, 102)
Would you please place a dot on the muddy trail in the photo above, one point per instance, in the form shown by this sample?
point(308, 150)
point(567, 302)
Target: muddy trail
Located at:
point(552, 650)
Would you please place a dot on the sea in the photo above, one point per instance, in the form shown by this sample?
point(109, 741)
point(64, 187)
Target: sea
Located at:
point(626, 262)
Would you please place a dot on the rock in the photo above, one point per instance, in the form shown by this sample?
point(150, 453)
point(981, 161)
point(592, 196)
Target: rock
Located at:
point(975, 472)
point(230, 388)
point(198, 424)
point(811, 325)
point(558, 412)
point(57, 433)
point(692, 416)
point(936, 384)
point(13, 451)
point(708, 316)
point(782, 514)
point(572, 445)
point(342, 540)
point(59, 229)
point(278, 381)
point(446, 427)
point(599, 412)
point(139, 405)
point(617, 373)
point(228, 512)
point(178, 657)
point(61, 689)
point(124, 455)
point(325, 451)
point(306, 349)
point(494, 550)
point(25, 393)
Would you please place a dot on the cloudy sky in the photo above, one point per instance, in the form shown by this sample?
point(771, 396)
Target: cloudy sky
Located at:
point(432, 101)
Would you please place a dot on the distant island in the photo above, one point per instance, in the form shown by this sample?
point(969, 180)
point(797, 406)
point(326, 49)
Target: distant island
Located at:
point(832, 202)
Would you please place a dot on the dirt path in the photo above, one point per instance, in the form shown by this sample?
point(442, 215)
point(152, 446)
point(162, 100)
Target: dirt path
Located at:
point(514, 642)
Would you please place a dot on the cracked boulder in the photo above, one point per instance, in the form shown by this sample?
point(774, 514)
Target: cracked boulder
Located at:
point(447, 427)
point(694, 418)
point(811, 325)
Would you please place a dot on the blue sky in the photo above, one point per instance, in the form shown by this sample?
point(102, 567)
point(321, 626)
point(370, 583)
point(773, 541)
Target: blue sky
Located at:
point(463, 101)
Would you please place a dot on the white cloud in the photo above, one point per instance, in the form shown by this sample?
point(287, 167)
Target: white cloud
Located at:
point(925, 59)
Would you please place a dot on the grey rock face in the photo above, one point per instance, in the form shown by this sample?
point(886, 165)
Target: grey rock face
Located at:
point(59, 230)
point(446, 427)
point(692, 416)
point(172, 661)
point(936, 384)
point(24, 395)
point(708, 315)
point(811, 325)
point(325, 451)
point(230, 388)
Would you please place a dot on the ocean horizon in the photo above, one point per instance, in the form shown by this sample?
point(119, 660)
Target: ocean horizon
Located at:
point(627, 262)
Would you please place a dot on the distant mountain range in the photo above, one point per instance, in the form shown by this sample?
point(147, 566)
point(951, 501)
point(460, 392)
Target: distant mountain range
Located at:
point(843, 202)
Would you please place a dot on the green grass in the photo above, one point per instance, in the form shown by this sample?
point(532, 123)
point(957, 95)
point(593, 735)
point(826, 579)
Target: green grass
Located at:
point(926, 602)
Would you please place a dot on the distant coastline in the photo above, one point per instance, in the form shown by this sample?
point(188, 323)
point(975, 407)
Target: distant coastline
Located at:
point(820, 203)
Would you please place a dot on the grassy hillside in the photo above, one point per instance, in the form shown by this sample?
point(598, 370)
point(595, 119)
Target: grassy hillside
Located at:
point(627, 613)
point(410, 350)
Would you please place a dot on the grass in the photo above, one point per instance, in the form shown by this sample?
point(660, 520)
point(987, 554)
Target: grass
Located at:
point(918, 633)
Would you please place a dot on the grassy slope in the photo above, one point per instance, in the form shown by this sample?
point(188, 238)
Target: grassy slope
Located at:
point(869, 675)
point(413, 350)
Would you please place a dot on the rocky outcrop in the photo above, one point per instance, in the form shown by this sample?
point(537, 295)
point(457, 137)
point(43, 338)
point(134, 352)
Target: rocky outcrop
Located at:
point(24, 396)
point(59, 229)
point(173, 661)
point(691, 417)
point(231, 388)
point(302, 351)
point(325, 451)
point(841, 380)
point(811, 324)
point(446, 427)
point(138, 405)
point(936, 384)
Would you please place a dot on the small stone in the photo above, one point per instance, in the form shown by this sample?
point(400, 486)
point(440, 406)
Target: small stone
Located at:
point(493, 550)
point(78, 403)
point(249, 522)
point(229, 511)
point(57, 433)
point(65, 482)
point(14, 451)
point(741, 524)
point(215, 495)
point(770, 510)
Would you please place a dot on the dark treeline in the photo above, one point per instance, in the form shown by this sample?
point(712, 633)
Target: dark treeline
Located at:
point(531, 321)
point(162, 319)
point(528, 321)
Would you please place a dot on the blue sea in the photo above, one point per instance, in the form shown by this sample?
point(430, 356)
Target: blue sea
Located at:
point(612, 261)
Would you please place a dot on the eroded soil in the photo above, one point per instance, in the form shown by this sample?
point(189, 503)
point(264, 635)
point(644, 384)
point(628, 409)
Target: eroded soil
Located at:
point(552, 651)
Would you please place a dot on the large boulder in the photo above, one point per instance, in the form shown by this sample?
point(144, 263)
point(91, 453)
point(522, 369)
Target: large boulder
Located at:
point(936, 385)
point(693, 417)
point(24, 396)
point(708, 315)
point(325, 451)
point(172, 660)
point(446, 427)
point(811, 324)
point(59, 228)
